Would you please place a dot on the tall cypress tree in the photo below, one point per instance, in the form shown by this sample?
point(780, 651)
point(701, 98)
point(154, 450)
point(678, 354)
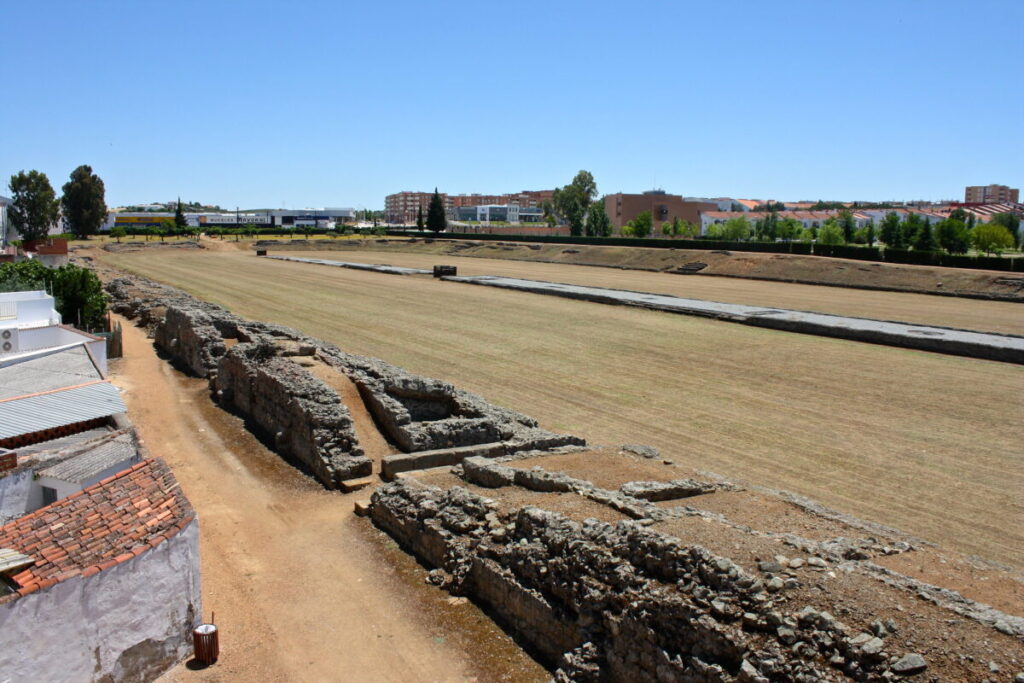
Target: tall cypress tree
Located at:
point(436, 220)
point(179, 217)
point(419, 217)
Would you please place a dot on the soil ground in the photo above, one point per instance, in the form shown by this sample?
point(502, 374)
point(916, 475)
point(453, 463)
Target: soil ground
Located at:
point(926, 443)
point(302, 590)
point(973, 314)
point(785, 267)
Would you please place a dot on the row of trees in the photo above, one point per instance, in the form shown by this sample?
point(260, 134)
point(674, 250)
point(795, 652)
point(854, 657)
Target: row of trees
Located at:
point(35, 207)
point(955, 235)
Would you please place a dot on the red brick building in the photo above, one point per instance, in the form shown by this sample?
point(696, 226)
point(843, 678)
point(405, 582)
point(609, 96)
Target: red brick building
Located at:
point(403, 207)
point(623, 208)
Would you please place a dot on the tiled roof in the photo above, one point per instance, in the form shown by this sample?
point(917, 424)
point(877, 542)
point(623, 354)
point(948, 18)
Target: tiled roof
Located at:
point(110, 522)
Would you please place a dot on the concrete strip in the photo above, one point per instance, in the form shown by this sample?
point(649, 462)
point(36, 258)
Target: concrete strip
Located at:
point(404, 462)
point(985, 345)
point(377, 268)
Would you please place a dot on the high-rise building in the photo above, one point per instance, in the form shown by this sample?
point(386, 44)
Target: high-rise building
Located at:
point(990, 194)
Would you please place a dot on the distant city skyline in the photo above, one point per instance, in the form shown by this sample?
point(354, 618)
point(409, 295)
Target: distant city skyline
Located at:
point(322, 104)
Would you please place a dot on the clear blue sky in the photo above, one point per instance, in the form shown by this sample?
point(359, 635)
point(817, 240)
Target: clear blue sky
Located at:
point(340, 103)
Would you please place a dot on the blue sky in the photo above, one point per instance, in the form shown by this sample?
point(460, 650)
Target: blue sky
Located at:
point(297, 104)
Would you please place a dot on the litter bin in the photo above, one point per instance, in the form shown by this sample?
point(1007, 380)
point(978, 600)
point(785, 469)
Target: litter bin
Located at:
point(205, 644)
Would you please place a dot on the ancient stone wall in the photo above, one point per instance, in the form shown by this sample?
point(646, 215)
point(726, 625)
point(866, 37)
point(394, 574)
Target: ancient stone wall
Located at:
point(304, 417)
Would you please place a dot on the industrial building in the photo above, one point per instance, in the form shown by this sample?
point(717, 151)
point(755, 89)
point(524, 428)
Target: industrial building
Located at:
point(499, 213)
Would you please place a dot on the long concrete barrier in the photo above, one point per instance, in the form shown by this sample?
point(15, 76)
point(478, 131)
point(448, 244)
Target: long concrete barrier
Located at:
point(375, 267)
point(985, 345)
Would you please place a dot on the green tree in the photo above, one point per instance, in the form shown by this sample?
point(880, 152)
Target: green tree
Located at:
point(847, 223)
point(992, 238)
point(572, 201)
point(953, 236)
point(869, 232)
point(598, 224)
point(889, 231)
point(78, 292)
point(789, 228)
point(642, 225)
point(925, 239)
point(831, 233)
point(419, 217)
point(166, 227)
point(436, 220)
point(1011, 222)
point(34, 205)
point(83, 202)
point(909, 229)
point(737, 228)
point(179, 218)
point(117, 232)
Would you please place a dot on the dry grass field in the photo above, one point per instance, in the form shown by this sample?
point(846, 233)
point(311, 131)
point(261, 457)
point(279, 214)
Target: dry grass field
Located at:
point(972, 314)
point(928, 443)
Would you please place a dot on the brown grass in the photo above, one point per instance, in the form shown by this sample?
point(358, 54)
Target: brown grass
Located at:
point(972, 314)
point(924, 442)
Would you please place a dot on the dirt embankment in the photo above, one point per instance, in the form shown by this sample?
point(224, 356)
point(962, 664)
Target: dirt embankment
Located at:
point(780, 267)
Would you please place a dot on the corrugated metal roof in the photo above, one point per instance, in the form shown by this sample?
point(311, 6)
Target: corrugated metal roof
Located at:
point(64, 442)
point(85, 466)
point(12, 561)
point(58, 408)
point(47, 371)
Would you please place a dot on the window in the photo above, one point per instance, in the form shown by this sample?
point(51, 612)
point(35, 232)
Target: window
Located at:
point(49, 495)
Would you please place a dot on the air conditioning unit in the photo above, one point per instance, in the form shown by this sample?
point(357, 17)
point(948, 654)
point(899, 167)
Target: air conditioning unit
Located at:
point(8, 340)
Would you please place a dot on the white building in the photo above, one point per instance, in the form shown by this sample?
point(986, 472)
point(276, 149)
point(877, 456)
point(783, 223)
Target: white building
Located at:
point(29, 322)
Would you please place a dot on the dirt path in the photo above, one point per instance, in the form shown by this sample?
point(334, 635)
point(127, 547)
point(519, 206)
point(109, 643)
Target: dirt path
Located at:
point(373, 443)
point(302, 589)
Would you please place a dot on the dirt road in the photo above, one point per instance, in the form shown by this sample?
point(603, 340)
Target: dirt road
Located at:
point(927, 443)
point(302, 589)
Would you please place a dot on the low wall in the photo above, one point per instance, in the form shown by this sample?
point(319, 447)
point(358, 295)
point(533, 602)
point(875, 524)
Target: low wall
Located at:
point(130, 622)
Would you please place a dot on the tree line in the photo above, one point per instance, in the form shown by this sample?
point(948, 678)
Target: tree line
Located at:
point(35, 206)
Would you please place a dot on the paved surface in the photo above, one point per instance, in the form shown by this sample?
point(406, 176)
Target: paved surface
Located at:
point(376, 267)
point(1000, 347)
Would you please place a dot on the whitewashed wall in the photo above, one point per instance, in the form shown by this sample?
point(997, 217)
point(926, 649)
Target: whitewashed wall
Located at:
point(131, 622)
point(16, 495)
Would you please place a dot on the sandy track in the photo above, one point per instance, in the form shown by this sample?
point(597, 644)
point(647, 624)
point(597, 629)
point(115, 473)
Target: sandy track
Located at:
point(303, 590)
point(971, 314)
point(924, 442)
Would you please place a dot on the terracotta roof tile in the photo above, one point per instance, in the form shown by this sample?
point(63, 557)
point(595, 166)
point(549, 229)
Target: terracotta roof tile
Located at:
point(110, 522)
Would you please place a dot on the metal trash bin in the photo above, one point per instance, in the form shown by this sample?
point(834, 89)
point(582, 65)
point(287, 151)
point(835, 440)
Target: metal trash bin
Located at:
point(205, 644)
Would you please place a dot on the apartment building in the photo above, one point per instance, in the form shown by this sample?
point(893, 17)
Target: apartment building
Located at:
point(403, 207)
point(990, 194)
